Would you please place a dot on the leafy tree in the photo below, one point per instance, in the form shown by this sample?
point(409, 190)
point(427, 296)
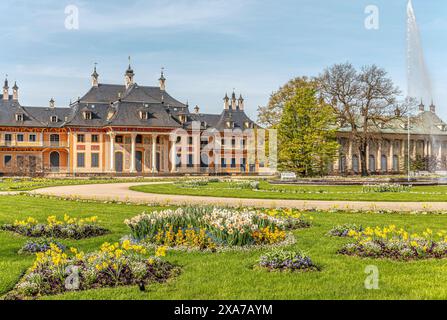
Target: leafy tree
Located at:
point(270, 115)
point(306, 134)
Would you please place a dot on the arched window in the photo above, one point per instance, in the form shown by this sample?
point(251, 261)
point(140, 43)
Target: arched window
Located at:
point(355, 164)
point(384, 163)
point(342, 164)
point(395, 163)
point(372, 163)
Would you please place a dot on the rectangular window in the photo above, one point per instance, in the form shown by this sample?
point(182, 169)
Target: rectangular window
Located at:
point(222, 142)
point(95, 160)
point(20, 137)
point(81, 160)
point(223, 163)
point(190, 161)
point(233, 163)
point(119, 139)
point(8, 137)
point(81, 138)
point(95, 138)
point(190, 140)
point(233, 142)
point(7, 160)
point(32, 138)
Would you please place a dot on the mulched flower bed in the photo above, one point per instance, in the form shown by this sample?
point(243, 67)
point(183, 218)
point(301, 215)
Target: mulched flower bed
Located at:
point(397, 244)
point(56, 272)
point(68, 228)
point(286, 261)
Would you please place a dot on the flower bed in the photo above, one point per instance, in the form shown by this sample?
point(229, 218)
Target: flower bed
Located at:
point(209, 228)
point(385, 187)
point(71, 228)
point(281, 260)
point(40, 245)
point(393, 243)
point(344, 229)
point(292, 218)
point(55, 272)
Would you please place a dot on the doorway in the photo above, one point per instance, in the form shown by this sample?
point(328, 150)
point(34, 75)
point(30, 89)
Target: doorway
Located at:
point(54, 161)
point(139, 161)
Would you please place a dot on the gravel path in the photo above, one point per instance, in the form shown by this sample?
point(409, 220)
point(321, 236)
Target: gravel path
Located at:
point(121, 192)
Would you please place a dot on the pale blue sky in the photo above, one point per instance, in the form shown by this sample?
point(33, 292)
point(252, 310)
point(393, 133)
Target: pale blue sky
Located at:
point(209, 46)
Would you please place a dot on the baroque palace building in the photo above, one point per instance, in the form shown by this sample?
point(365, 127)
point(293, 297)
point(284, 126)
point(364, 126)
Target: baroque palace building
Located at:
point(423, 140)
point(124, 129)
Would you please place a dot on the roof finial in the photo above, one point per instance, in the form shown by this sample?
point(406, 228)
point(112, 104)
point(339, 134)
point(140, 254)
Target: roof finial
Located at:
point(95, 76)
point(162, 79)
point(129, 62)
point(422, 106)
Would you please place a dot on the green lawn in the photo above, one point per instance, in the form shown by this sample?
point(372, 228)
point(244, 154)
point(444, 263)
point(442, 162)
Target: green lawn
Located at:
point(26, 184)
point(270, 191)
point(229, 275)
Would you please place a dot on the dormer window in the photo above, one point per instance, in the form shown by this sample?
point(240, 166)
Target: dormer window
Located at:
point(19, 117)
point(54, 119)
point(144, 115)
point(230, 124)
point(87, 115)
point(182, 118)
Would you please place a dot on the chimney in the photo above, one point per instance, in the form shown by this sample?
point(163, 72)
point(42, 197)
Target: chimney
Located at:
point(6, 90)
point(422, 106)
point(241, 103)
point(15, 92)
point(162, 80)
point(432, 107)
point(52, 103)
point(95, 77)
point(226, 102)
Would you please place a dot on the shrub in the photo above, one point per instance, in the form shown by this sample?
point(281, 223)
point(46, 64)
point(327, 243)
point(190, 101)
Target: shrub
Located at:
point(281, 260)
point(40, 245)
point(55, 272)
point(69, 227)
point(343, 230)
point(398, 244)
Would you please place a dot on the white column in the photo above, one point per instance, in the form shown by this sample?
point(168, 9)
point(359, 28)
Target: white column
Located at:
point(391, 157)
point(349, 157)
point(112, 151)
point(132, 153)
point(379, 157)
point(154, 153)
point(173, 157)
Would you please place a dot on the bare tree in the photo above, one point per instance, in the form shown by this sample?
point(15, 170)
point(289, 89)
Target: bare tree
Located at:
point(365, 100)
